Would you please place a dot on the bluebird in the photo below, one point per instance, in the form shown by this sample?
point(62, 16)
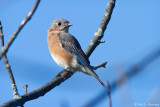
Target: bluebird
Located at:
point(66, 50)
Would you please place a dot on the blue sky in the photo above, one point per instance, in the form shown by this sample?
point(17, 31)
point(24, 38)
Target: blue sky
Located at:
point(133, 32)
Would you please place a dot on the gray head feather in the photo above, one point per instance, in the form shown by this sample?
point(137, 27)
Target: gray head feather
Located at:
point(60, 25)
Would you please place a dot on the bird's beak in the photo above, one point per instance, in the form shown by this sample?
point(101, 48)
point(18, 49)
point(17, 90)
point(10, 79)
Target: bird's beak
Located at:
point(69, 25)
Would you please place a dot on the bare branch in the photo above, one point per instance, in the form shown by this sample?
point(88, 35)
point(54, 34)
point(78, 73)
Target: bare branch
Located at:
point(64, 75)
point(108, 94)
point(101, 65)
point(61, 77)
point(102, 27)
point(23, 23)
point(14, 87)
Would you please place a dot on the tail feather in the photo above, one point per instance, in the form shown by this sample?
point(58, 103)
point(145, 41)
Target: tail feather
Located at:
point(91, 72)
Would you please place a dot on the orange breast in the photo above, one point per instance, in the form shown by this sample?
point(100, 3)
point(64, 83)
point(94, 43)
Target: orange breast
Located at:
point(59, 54)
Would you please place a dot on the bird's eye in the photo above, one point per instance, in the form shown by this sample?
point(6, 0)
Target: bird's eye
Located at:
point(59, 24)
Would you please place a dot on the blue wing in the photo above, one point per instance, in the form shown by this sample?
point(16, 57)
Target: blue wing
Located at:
point(71, 44)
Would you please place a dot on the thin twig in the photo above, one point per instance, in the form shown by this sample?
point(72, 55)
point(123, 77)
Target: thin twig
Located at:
point(25, 87)
point(99, 66)
point(101, 41)
point(63, 75)
point(108, 94)
point(8, 67)
point(23, 23)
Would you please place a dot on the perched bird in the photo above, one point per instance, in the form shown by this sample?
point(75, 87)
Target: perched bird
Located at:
point(66, 50)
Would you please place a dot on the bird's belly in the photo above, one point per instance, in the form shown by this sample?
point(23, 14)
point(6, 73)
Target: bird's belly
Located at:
point(73, 66)
point(60, 61)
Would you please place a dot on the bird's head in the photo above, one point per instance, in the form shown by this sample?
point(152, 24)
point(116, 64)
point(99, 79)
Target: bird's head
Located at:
point(60, 25)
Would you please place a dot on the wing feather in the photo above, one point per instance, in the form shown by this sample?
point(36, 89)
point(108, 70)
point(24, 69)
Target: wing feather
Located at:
point(71, 44)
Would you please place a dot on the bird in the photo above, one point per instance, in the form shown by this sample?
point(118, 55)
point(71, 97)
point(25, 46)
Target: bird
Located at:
point(66, 50)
